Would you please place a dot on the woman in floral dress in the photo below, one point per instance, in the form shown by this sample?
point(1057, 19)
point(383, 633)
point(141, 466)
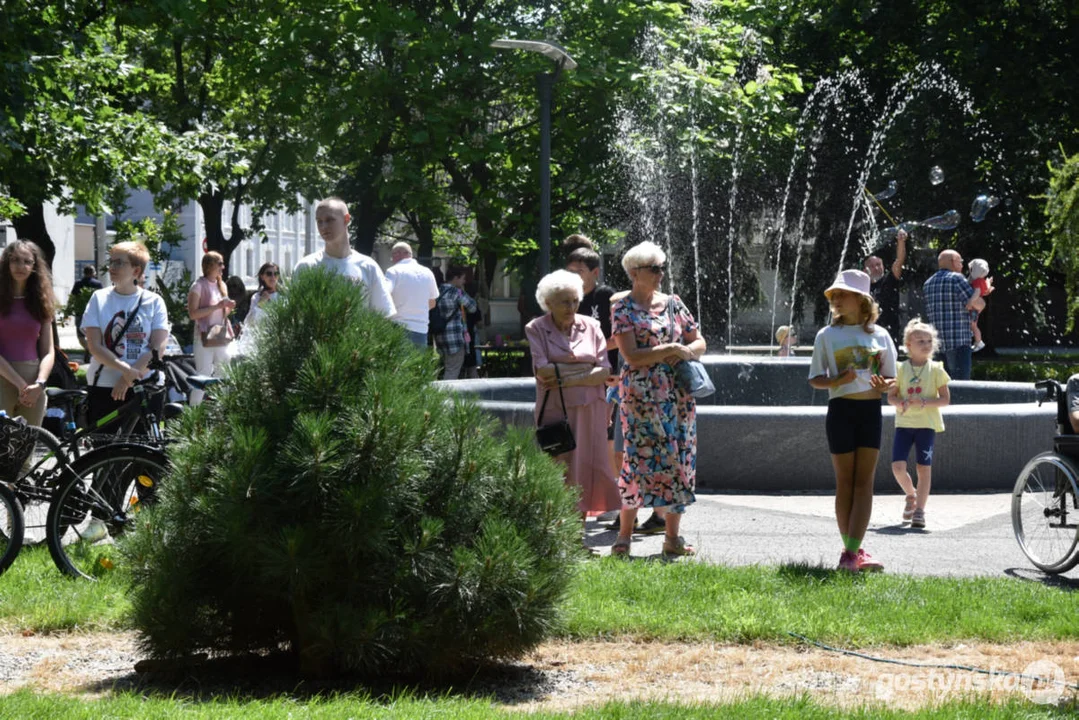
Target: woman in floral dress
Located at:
point(655, 332)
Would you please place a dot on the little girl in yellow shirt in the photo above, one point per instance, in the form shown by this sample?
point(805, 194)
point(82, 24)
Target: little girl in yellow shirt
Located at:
point(919, 392)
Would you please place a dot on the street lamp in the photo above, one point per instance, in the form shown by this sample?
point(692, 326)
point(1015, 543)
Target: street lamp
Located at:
point(545, 81)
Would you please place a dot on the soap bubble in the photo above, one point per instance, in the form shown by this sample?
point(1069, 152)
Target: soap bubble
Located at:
point(887, 192)
point(936, 175)
point(982, 205)
point(947, 221)
point(887, 236)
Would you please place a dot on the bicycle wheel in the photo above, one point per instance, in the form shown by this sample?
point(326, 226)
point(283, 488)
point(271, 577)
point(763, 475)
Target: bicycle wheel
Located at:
point(97, 503)
point(11, 527)
point(1045, 516)
point(36, 482)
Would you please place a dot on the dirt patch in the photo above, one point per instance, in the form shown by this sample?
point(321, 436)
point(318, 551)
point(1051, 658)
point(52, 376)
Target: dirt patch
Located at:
point(569, 675)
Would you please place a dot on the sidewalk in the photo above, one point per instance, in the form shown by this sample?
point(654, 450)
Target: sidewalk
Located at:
point(966, 535)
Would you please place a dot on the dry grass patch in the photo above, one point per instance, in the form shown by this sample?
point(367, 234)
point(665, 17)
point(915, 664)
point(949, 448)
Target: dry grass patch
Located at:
point(584, 674)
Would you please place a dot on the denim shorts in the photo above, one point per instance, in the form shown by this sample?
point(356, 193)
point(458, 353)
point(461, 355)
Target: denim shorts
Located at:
point(853, 424)
point(920, 438)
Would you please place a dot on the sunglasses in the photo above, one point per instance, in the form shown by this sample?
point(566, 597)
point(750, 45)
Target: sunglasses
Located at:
point(271, 273)
point(118, 263)
point(654, 269)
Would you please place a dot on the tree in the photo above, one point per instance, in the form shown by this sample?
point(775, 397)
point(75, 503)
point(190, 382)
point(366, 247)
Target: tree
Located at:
point(1062, 215)
point(238, 104)
point(331, 502)
point(67, 132)
point(1010, 105)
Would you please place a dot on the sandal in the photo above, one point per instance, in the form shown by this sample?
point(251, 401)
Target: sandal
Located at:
point(677, 548)
point(908, 509)
point(620, 548)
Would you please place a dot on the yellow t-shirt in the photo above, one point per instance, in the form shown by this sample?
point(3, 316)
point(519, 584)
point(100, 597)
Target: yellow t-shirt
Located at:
point(913, 384)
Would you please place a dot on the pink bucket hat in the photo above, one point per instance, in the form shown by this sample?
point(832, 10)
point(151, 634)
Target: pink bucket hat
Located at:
point(854, 281)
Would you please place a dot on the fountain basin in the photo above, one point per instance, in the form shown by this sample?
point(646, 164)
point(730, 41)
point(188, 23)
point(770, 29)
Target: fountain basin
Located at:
point(764, 429)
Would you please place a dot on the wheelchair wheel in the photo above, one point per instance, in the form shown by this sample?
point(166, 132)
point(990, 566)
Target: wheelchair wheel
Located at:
point(1045, 513)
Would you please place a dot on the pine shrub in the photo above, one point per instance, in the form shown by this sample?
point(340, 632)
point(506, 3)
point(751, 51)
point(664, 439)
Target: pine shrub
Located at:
point(332, 504)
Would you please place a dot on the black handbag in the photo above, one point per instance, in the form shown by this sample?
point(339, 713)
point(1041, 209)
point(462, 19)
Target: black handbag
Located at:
point(555, 438)
point(690, 375)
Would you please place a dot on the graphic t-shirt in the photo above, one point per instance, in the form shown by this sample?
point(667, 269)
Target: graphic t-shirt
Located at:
point(597, 305)
point(109, 311)
point(915, 384)
point(838, 347)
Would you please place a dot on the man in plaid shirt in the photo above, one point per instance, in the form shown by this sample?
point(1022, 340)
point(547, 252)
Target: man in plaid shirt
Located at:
point(452, 343)
point(946, 296)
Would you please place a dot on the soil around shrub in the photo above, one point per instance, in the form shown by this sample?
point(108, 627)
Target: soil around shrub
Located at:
point(566, 675)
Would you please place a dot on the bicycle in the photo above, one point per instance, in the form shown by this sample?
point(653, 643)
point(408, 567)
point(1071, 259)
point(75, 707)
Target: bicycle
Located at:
point(92, 497)
point(1045, 500)
point(11, 527)
point(99, 499)
point(133, 422)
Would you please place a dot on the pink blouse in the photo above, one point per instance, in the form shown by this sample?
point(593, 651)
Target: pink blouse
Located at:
point(209, 294)
point(19, 332)
point(585, 344)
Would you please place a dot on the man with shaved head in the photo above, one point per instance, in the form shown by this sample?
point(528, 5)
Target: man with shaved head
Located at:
point(331, 220)
point(947, 293)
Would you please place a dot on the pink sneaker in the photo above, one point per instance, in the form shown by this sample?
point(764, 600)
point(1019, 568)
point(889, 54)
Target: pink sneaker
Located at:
point(865, 562)
point(848, 561)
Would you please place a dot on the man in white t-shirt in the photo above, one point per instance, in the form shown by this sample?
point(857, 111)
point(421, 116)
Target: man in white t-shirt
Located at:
point(331, 219)
point(414, 292)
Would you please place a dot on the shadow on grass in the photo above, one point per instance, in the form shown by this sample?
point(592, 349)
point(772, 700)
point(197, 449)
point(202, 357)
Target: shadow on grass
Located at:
point(1042, 578)
point(805, 573)
point(275, 677)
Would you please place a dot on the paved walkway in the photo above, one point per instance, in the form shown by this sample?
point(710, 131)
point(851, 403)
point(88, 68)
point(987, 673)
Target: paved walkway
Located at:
point(966, 535)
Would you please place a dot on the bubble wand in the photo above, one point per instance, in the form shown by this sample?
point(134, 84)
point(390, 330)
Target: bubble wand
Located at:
point(874, 199)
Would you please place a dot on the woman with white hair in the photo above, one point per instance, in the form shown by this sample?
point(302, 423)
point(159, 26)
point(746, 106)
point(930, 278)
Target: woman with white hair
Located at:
point(569, 353)
point(655, 332)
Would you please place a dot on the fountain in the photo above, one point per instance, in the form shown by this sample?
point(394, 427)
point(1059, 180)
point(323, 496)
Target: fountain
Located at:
point(764, 429)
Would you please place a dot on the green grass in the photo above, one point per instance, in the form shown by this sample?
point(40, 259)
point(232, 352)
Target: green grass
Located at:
point(695, 601)
point(28, 705)
point(35, 596)
point(682, 601)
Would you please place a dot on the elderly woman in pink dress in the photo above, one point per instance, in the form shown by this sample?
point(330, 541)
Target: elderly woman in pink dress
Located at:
point(574, 344)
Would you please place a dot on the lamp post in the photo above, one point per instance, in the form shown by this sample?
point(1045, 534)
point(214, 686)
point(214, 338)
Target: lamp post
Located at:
point(545, 81)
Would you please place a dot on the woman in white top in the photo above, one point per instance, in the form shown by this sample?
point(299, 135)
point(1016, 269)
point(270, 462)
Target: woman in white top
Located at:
point(123, 323)
point(267, 291)
point(208, 304)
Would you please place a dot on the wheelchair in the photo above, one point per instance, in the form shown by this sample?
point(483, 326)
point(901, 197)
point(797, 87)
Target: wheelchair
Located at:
point(1045, 500)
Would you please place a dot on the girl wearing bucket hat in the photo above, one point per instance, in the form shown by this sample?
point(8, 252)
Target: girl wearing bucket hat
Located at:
point(855, 361)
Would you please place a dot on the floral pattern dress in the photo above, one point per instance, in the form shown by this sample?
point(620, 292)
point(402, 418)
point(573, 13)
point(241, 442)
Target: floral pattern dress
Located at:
point(659, 421)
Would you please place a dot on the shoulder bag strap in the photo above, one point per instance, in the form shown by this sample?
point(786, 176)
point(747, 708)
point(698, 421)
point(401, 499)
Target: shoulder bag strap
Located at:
point(670, 314)
point(130, 319)
point(548, 393)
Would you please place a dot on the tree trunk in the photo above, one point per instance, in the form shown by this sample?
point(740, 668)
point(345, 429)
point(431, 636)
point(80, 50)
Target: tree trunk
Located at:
point(31, 226)
point(212, 203)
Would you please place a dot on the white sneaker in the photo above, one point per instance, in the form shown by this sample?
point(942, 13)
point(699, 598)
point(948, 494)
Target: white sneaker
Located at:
point(977, 346)
point(95, 532)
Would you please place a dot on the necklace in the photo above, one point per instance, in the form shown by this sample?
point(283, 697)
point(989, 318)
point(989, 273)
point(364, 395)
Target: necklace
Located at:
point(916, 380)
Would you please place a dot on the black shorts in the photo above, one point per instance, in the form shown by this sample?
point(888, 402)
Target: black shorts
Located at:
point(853, 424)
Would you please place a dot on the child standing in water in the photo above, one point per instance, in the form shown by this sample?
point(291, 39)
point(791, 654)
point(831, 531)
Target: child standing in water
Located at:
point(854, 360)
point(919, 392)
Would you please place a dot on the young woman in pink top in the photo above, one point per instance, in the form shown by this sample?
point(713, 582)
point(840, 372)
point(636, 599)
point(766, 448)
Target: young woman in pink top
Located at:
point(26, 313)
